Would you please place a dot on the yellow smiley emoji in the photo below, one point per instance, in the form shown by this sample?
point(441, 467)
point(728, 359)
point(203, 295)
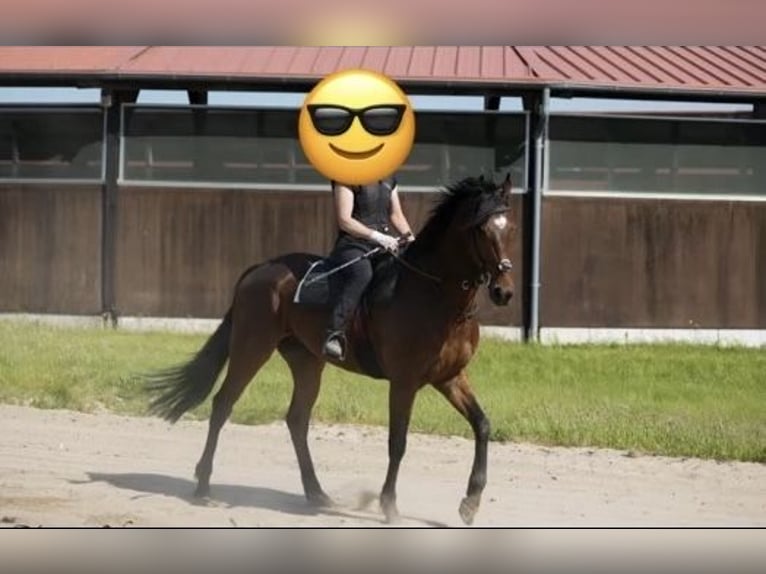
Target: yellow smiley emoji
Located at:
point(356, 127)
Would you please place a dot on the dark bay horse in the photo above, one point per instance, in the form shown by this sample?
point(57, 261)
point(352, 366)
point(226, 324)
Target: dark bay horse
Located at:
point(425, 334)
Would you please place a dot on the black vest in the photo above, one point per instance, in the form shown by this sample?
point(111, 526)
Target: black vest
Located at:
point(372, 204)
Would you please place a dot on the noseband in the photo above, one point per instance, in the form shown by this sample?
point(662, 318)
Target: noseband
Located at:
point(503, 266)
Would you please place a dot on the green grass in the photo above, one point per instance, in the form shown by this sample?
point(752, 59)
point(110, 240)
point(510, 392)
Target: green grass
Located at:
point(677, 400)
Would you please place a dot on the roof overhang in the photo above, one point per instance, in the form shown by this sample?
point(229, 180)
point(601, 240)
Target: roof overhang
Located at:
point(715, 74)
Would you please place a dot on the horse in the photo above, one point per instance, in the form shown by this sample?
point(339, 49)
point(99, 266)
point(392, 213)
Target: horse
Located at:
point(425, 333)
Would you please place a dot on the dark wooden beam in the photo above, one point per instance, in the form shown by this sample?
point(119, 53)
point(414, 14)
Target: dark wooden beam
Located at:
point(197, 97)
point(492, 103)
point(111, 101)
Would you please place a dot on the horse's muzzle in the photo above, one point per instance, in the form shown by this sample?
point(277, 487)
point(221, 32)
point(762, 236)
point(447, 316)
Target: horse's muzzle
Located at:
point(500, 295)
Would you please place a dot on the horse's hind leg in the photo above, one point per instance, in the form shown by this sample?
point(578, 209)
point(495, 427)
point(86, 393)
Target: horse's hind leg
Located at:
point(458, 392)
point(307, 374)
point(249, 352)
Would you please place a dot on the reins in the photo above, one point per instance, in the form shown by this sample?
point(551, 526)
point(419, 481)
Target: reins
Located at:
point(503, 266)
point(416, 270)
point(484, 278)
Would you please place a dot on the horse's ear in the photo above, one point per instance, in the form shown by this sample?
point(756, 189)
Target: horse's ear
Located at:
point(481, 178)
point(507, 185)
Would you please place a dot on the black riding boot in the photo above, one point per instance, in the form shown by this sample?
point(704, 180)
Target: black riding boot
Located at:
point(346, 290)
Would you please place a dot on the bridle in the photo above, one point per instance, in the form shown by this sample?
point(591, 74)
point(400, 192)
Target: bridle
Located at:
point(489, 271)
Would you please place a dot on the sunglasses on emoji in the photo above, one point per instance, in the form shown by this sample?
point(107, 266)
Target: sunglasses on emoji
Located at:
point(333, 120)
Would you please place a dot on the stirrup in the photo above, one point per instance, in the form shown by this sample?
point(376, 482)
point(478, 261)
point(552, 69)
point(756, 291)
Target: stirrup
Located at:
point(334, 346)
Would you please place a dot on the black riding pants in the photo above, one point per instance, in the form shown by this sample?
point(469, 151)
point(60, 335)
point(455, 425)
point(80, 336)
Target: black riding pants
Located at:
point(348, 285)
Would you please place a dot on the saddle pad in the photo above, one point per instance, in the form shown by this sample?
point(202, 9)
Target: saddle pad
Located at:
point(313, 291)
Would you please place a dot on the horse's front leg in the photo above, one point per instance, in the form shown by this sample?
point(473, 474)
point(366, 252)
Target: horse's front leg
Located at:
point(400, 399)
point(458, 392)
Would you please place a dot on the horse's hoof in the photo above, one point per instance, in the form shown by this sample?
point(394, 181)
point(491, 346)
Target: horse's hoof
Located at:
point(320, 500)
point(468, 509)
point(392, 517)
point(202, 491)
point(366, 499)
point(390, 512)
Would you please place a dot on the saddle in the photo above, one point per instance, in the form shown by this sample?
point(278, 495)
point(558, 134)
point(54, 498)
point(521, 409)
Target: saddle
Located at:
point(314, 287)
point(314, 291)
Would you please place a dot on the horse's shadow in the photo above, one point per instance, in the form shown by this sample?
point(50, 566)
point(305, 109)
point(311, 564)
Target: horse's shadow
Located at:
point(232, 496)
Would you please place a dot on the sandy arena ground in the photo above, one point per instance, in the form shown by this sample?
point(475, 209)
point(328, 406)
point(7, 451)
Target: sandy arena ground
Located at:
point(61, 468)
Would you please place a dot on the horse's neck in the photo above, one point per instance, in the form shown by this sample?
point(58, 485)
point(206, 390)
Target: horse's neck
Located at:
point(448, 261)
point(446, 256)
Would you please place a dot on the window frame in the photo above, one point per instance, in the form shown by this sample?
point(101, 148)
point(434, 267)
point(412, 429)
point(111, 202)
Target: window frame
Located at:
point(63, 108)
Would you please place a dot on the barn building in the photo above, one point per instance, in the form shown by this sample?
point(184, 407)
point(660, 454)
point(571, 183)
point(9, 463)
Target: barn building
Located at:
point(631, 225)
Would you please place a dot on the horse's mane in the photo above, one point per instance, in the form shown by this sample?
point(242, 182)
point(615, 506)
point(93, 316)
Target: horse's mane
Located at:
point(480, 194)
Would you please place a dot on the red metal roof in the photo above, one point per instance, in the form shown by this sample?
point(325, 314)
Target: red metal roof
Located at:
point(717, 69)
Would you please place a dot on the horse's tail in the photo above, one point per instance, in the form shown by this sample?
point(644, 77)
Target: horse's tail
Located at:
point(185, 386)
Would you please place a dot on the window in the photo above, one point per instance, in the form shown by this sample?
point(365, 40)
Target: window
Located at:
point(451, 146)
point(657, 155)
point(51, 144)
point(214, 146)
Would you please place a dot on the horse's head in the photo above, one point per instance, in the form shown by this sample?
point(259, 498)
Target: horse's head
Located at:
point(485, 222)
point(472, 229)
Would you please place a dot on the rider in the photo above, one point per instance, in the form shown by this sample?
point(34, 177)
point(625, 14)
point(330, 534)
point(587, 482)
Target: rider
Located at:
point(364, 214)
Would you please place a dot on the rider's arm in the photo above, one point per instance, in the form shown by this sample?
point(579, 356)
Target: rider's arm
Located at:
point(398, 219)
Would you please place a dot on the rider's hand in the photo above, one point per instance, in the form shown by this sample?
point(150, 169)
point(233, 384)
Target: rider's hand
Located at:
point(405, 239)
point(385, 241)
